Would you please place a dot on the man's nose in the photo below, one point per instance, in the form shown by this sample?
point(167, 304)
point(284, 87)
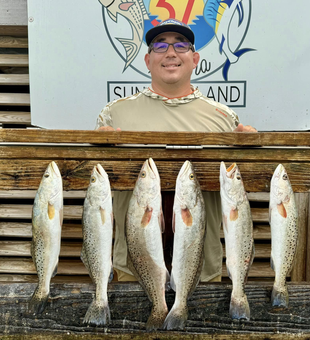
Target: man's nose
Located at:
point(171, 50)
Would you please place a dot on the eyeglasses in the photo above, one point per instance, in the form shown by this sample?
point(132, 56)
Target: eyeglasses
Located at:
point(179, 47)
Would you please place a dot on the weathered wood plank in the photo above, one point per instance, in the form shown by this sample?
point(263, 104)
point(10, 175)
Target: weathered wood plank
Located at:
point(23, 230)
point(23, 211)
point(14, 79)
point(27, 174)
point(76, 267)
point(85, 152)
point(14, 30)
point(15, 99)
point(146, 137)
point(10, 117)
point(13, 12)
point(208, 313)
point(13, 42)
point(14, 60)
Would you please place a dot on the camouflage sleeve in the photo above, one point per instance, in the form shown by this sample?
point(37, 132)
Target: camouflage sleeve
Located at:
point(232, 114)
point(104, 118)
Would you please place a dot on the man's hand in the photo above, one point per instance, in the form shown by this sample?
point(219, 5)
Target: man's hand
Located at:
point(246, 128)
point(108, 128)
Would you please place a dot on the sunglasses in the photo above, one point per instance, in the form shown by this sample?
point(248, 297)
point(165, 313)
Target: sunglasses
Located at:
point(179, 47)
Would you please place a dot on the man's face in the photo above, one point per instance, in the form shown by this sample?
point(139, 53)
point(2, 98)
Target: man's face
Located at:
point(171, 67)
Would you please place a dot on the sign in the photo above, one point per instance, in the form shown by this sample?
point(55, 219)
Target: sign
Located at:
point(85, 54)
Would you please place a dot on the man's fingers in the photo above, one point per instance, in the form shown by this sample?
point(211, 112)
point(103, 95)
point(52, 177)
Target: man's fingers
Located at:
point(245, 128)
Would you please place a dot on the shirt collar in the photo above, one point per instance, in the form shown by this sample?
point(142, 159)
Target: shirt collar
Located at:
point(173, 101)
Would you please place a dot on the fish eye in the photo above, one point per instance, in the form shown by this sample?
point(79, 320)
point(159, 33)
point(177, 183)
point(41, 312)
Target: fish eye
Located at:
point(238, 176)
point(46, 175)
point(93, 179)
point(143, 174)
point(191, 176)
point(285, 177)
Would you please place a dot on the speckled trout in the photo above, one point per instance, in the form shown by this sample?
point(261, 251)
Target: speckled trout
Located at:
point(189, 227)
point(284, 233)
point(97, 225)
point(238, 232)
point(47, 216)
point(144, 227)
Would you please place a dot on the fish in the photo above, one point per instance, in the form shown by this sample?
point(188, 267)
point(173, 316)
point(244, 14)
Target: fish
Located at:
point(135, 13)
point(284, 233)
point(47, 217)
point(96, 254)
point(143, 229)
point(238, 233)
point(189, 227)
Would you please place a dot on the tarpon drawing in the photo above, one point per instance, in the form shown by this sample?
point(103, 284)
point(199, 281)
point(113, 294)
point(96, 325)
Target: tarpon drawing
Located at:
point(135, 13)
point(218, 14)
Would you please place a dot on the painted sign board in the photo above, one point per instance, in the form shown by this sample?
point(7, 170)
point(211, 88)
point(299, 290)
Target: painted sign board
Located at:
point(253, 57)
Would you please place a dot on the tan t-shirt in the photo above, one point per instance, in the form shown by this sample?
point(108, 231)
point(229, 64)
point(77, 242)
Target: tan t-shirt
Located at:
point(148, 111)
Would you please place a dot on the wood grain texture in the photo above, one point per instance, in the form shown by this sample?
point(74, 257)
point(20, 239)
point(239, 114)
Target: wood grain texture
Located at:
point(27, 174)
point(170, 138)
point(13, 42)
point(15, 99)
point(208, 312)
point(14, 79)
point(14, 30)
point(14, 60)
point(10, 117)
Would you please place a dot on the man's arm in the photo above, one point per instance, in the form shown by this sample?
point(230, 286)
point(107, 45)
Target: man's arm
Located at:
point(244, 128)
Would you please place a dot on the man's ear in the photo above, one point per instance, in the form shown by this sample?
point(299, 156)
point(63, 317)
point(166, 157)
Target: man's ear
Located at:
point(196, 58)
point(147, 60)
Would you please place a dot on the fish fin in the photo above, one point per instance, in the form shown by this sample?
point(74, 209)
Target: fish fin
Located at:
point(176, 318)
point(172, 283)
point(239, 308)
point(173, 222)
point(143, 9)
point(111, 15)
point(98, 313)
point(50, 211)
point(61, 216)
point(228, 272)
point(167, 284)
point(282, 210)
point(102, 214)
point(55, 270)
point(38, 301)
point(111, 274)
point(272, 263)
point(85, 261)
point(233, 216)
point(197, 276)
point(250, 263)
point(279, 298)
point(146, 217)
point(187, 217)
point(131, 50)
point(156, 319)
point(125, 6)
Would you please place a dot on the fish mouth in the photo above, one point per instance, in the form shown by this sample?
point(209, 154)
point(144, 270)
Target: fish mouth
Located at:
point(230, 172)
point(153, 168)
point(99, 169)
point(55, 169)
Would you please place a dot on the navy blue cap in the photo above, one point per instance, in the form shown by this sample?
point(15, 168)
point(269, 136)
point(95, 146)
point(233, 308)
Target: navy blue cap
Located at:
point(170, 25)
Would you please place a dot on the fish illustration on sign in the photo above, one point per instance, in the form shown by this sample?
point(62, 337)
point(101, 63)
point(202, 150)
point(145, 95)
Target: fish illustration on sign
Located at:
point(218, 14)
point(135, 13)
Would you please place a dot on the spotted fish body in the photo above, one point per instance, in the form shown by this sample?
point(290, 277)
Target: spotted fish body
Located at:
point(284, 233)
point(97, 224)
point(47, 216)
point(144, 227)
point(238, 232)
point(189, 226)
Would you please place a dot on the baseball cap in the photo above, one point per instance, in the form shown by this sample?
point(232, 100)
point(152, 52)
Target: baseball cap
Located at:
point(170, 25)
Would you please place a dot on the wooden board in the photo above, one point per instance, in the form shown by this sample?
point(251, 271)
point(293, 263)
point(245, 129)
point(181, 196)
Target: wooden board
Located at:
point(208, 313)
point(14, 79)
point(14, 60)
point(15, 99)
point(15, 117)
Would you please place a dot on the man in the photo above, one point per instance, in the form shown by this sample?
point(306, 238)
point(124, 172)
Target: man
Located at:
point(170, 104)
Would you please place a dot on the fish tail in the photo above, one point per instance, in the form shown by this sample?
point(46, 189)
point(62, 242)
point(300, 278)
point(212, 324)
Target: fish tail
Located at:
point(38, 301)
point(279, 296)
point(239, 308)
point(176, 318)
point(156, 319)
point(131, 50)
point(98, 313)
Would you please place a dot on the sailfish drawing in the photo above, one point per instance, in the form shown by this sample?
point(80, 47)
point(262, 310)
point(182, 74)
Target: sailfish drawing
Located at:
point(218, 14)
point(135, 13)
